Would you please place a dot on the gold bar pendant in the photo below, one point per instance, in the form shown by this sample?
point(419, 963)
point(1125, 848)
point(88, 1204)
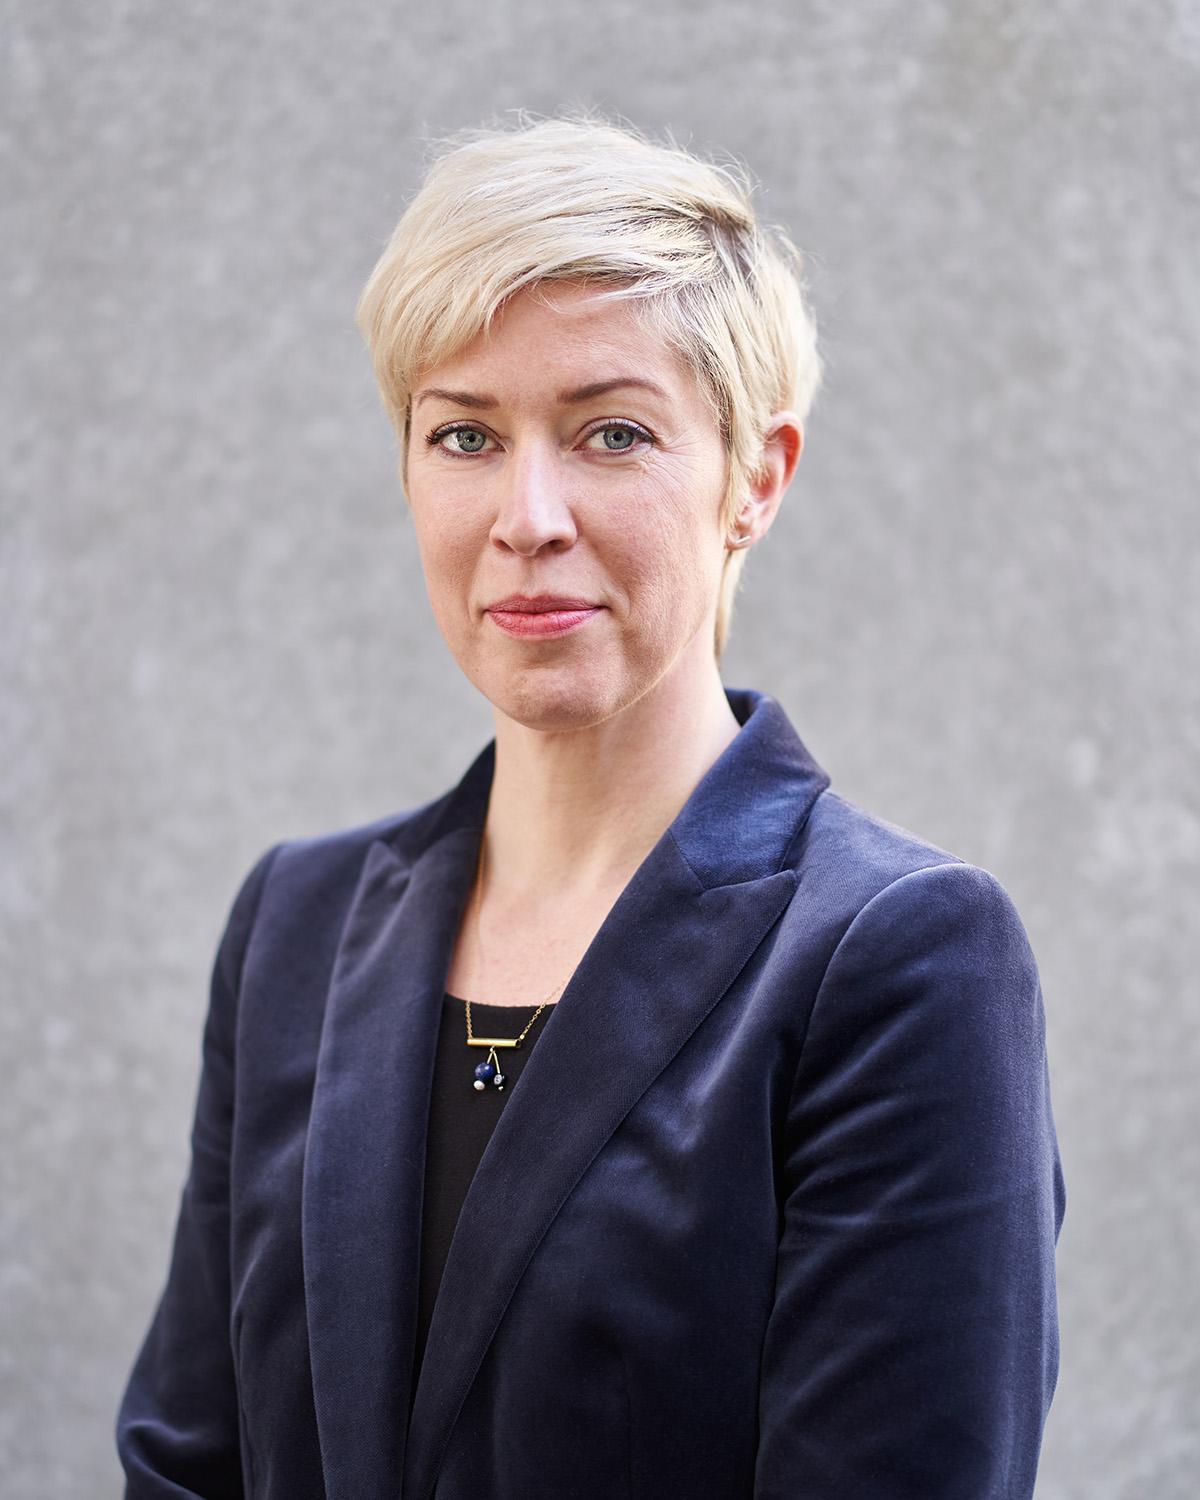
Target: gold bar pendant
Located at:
point(493, 1041)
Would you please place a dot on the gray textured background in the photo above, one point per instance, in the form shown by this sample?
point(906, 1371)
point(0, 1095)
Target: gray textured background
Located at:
point(979, 603)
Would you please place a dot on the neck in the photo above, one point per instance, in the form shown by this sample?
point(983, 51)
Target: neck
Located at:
point(573, 813)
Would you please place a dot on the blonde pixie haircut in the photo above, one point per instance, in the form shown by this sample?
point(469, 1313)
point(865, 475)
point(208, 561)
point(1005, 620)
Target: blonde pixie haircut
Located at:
point(578, 197)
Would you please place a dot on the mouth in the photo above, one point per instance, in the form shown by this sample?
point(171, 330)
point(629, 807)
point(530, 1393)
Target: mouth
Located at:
point(541, 617)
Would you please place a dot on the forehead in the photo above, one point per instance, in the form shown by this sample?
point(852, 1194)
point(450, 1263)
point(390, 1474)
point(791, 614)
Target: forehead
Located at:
point(548, 342)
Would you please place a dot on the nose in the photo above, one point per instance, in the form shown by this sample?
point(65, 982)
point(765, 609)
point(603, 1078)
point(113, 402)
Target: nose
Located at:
point(533, 506)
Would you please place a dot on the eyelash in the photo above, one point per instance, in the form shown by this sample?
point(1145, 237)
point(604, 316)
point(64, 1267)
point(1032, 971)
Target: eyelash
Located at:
point(434, 438)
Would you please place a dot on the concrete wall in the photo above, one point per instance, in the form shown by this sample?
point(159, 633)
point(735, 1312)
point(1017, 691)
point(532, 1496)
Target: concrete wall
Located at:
point(979, 606)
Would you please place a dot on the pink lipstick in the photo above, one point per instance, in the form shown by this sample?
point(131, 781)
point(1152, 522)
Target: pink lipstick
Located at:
point(541, 615)
point(528, 623)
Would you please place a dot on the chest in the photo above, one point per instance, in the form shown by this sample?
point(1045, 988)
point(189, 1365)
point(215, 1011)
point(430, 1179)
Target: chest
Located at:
point(523, 957)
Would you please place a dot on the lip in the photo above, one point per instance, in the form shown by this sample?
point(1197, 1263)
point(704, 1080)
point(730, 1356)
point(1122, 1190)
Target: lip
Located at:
point(539, 619)
point(540, 604)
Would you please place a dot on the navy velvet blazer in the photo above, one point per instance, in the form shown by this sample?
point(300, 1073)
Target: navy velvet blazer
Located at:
point(771, 1215)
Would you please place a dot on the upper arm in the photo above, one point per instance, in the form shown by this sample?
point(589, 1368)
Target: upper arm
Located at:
point(912, 1347)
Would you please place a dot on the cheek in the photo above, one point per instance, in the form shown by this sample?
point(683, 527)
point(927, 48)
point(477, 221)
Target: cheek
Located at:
point(665, 560)
point(449, 555)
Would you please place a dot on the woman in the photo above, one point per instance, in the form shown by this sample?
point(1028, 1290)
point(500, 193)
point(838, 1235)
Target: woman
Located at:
point(765, 1203)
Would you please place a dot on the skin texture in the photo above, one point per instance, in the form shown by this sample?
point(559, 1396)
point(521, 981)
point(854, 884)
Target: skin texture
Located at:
point(601, 734)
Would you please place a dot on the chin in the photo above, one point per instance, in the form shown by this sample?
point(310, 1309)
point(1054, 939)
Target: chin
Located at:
point(563, 696)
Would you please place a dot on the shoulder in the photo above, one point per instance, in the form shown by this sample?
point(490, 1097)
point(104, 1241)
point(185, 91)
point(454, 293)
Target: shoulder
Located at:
point(841, 834)
point(924, 963)
point(872, 882)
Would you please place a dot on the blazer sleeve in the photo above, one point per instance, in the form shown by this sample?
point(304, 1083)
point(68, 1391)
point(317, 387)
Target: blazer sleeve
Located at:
point(177, 1429)
point(912, 1348)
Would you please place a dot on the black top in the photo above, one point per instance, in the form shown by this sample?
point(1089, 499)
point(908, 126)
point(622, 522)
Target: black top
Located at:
point(461, 1121)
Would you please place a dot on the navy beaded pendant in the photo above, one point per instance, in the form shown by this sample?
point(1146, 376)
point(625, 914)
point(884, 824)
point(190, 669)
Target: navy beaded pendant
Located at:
point(489, 1070)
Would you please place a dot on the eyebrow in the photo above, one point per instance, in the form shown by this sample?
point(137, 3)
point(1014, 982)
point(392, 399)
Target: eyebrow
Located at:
point(565, 398)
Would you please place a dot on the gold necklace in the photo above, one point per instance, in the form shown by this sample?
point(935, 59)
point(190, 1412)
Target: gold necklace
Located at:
point(489, 1069)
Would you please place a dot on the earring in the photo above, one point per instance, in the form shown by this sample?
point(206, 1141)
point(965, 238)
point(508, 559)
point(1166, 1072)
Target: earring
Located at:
point(734, 544)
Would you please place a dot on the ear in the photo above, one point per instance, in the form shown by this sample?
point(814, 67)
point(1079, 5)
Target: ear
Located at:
point(783, 443)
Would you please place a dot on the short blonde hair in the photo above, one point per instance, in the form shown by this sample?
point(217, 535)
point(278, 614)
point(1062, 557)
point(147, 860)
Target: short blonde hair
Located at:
point(578, 197)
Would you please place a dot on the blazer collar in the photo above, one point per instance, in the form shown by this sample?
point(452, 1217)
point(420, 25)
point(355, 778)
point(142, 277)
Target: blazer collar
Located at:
point(676, 938)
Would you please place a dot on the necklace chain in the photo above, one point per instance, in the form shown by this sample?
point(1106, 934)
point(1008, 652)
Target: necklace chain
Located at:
point(479, 946)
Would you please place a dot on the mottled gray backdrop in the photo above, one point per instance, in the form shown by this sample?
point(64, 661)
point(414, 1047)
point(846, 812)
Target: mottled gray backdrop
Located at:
point(979, 604)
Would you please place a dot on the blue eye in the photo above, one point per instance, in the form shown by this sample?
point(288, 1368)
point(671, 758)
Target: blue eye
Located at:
point(434, 439)
point(629, 432)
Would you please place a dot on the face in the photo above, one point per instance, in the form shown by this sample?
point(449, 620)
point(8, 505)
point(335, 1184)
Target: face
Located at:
point(538, 465)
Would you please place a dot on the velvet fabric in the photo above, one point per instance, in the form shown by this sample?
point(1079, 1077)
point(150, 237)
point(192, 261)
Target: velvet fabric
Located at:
point(772, 1214)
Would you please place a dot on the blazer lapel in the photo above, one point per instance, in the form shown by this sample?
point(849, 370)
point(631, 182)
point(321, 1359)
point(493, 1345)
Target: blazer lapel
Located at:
point(364, 1158)
point(673, 943)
